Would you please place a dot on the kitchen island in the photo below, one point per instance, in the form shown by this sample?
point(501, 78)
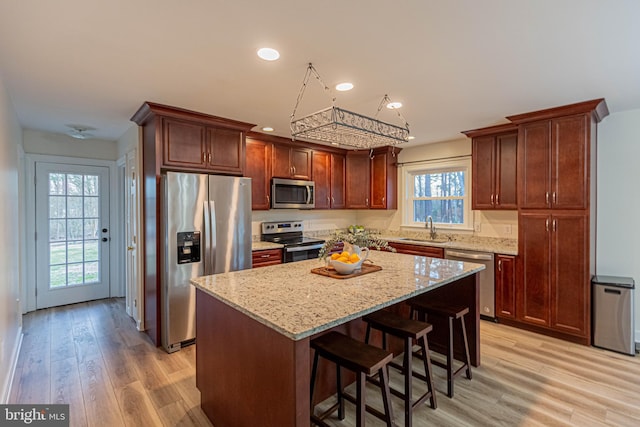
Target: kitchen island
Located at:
point(253, 328)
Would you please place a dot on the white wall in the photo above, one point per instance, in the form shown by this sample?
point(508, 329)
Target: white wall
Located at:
point(128, 141)
point(491, 224)
point(10, 313)
point(39, 142)
point(618, 234)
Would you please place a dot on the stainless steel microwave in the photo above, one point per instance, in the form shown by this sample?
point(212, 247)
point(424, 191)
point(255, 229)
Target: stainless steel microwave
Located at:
point(292, 194)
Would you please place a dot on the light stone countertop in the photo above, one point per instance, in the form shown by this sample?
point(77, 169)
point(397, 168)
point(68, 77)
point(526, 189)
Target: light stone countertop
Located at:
point(260, 246)
point(297, 303)
point(480, 244)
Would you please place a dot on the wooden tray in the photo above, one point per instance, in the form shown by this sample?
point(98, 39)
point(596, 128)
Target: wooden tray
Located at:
point(366, 268)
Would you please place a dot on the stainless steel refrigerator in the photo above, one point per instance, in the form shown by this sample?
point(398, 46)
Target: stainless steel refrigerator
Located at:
point(207, 230)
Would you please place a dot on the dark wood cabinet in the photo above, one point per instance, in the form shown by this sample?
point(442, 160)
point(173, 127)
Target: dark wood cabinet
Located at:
point(193, 146)
point(372, 179)
point(179, 140)
point(505, 278)
point(384, 179)
point(494, 167)
point(258, 168)
point(555, 289)
point(428, 251)
point(555, 163)
point(328, 173)
point(357, 179)
point(291, 162)
point(266, 257)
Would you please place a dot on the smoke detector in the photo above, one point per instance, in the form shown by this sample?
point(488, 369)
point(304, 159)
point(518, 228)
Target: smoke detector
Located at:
point(80, 132)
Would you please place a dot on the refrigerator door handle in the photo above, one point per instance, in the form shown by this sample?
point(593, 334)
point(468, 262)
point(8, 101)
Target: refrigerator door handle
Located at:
point(209, 239)
point(212, 233)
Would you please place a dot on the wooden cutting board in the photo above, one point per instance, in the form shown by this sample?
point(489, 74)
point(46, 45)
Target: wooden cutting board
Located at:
point(365, 269)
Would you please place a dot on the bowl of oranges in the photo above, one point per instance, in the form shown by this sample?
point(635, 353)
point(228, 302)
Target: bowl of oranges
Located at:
point(346, 262)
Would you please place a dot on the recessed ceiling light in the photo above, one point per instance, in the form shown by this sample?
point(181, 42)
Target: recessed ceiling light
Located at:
point(344, 86)
point(267, 129)
point(268, 54)
point(394, 105)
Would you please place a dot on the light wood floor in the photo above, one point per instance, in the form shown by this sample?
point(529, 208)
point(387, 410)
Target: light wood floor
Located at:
point(91, 356)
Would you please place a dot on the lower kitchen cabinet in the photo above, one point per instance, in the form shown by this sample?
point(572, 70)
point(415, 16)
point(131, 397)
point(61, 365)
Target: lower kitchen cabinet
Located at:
point(505, 279)
point(266, 257)
point(430, 251)
point(554, 289)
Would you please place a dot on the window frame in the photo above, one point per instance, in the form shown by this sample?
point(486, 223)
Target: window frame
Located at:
point(436, 166)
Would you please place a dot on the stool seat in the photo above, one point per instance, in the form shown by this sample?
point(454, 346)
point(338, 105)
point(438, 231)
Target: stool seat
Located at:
point(361, 358)
point(409, 331)
point(452, 312)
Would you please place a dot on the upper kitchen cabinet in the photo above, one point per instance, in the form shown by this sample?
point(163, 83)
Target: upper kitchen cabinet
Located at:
point(357, 179)
point(384, 178)
point(555, 150)
point(188, 141)
point(494, 167)
point(328, 173)
point(291, 161)
point(258, 168)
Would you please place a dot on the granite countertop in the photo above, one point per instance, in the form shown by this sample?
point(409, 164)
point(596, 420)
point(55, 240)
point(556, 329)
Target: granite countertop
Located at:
point(480, 244)
point(297, 303)
point(260, 246)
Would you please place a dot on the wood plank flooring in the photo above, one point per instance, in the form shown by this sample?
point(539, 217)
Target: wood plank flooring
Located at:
point(91, 356)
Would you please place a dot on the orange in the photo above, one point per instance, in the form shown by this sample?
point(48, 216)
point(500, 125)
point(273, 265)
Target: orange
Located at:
point(354, 258)
point(335, 255)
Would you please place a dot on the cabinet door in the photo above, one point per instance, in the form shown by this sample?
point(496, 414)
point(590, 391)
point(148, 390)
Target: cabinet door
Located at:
point(570, 167)
point(337, 181)
point(505, 286)
point(300, 163)
point(258, 168)
point(506, 180)
point(357, 180)
point(184, 144)
point(482, 171)
point(570, 277)
point(281, 163)
point(378, 183)
point(533, 292)
point(225, 150)
point(321, 174)
point(266, 257)
point(534, 159)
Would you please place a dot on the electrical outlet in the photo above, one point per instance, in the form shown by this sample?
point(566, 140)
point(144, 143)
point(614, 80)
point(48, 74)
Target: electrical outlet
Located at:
point(478, 227)
point(506, 228)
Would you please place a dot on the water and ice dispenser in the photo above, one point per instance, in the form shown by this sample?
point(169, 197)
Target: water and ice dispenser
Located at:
point(188, 247)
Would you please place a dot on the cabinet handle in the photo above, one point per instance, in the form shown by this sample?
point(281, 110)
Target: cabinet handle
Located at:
point(293, 168)
point(383, 200)
point(333, 201)
point(204, 157)
point(366, 202)
point(547, 224)
point(268, 200)
point(499, 265)
point(328, 199)
point(546, 198)
point(265, 256)
point(554, 198)
point(491, 199)
point(209, 157)
point(554, 225)
point(497, 199)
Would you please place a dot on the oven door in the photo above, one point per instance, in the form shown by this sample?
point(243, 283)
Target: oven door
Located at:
point(300, 253)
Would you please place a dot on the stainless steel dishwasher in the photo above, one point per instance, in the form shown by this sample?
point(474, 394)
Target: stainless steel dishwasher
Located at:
point(487, 284)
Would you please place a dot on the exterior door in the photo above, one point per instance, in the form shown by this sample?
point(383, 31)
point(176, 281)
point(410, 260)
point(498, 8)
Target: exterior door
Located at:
point(72, 233)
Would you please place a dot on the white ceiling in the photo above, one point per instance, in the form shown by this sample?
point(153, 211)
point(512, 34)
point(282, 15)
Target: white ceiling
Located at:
point(455, 65)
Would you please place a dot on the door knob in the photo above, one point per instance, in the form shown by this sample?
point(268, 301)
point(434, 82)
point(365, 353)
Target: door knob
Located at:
point(104, 239)
point(104, 230)
point(129, 248)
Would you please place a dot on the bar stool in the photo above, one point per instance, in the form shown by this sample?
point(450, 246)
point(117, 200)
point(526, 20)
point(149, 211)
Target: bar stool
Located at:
point(409, 331)
point(426, 308)
point(364, 360)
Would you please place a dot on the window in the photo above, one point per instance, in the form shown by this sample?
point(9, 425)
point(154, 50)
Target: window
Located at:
point(439, 190)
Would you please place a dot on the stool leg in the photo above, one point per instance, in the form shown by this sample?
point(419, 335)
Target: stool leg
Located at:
point(386, 396)
point(360, 400)
point(466, 346)
point(367, 334)
point(408, 377)
point(426, 359)
point(340, 395)
point(313, 379)
point(450, 359)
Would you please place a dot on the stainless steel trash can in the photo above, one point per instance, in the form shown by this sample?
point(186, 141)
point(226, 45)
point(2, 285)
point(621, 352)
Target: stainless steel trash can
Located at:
point(613, 313)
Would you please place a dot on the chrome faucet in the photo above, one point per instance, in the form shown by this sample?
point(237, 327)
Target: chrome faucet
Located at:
point(429, 225)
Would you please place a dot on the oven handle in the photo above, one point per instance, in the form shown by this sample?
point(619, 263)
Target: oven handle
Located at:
point(303, 248)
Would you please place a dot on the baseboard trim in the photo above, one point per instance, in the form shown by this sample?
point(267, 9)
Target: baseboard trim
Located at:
point(6, 391)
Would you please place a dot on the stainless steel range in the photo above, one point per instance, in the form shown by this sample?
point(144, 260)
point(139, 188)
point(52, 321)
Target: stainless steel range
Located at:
point(290, 234)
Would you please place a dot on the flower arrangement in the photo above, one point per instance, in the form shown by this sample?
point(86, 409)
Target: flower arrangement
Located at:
point(361, 238)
